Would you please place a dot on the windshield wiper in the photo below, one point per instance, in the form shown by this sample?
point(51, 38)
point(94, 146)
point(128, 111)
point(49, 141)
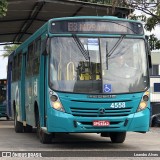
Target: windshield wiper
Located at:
point(81, 47)
point(106, 55)
point(115, 46)
point(85, 52)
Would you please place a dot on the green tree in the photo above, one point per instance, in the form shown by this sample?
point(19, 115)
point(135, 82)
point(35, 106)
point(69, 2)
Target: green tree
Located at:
point(3, 7)
point(151, 12)
point(114, 3)
point(148, 7)
point(154, 42)
point(151, 16)
point(9, 49)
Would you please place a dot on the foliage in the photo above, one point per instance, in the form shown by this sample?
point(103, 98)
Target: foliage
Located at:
point(108, 2)
point(150, 8)
point(9, 49)
point(151, 16)
point(151, 12)
point(154, 42)
point(3, 7)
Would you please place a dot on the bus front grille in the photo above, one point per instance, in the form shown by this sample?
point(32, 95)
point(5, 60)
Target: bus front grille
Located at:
point(95, 112)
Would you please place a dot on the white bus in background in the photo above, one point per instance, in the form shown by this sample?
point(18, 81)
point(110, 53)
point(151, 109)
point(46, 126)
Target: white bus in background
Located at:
point(155, 88)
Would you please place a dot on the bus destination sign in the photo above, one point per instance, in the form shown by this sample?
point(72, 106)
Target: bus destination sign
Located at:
point(95, 26)
point(90, 26)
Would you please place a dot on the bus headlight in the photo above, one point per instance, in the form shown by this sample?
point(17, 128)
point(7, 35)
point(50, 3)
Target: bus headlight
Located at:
point(144, 101)
point(56, 104)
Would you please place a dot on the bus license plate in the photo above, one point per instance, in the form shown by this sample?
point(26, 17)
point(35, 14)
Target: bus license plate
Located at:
point(101, 123)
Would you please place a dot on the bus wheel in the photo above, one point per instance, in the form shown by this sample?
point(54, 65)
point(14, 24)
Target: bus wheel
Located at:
point(17, 125)
point(7, 118)
point(44, 137)
point(117, 137)
point(155, 122)
point(28, 129)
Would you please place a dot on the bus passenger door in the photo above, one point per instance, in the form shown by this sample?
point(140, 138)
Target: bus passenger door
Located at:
point(29, 107)
point(32, 80)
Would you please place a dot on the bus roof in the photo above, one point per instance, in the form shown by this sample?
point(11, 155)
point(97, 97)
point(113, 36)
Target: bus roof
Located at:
point(94, 17)
point(45, 27)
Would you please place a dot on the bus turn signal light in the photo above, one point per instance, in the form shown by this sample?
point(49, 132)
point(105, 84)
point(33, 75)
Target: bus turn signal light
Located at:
point(55, 103)
point(144, 101)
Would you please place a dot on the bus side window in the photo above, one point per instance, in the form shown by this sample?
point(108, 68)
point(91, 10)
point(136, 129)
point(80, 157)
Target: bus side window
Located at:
point(15, 66)
point(19, 62)
point(29, 63)
point(36, 57)
point(13, 70)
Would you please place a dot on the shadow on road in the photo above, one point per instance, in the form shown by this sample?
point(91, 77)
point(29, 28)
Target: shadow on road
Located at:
point(72, 141)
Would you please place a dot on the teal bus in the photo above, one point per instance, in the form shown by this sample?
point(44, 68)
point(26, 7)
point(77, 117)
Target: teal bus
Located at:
point(3, 104)
point(86, 74)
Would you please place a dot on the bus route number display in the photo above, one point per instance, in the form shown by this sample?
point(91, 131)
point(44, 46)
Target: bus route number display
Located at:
point(91, 27)
point(112, 27)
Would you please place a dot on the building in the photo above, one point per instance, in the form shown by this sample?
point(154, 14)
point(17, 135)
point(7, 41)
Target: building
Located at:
point(155, 82)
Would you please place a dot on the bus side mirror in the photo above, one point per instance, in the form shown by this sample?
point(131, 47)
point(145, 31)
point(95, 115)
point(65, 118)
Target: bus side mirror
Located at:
point(148, 51)
point(147, 38)
point(149, 61)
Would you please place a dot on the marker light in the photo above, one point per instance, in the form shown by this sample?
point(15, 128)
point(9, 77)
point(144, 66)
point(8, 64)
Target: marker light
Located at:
point(55, 103)
point(144, 101)
point(145, 98)
point(54, 98)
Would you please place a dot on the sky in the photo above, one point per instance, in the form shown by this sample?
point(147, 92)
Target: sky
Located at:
point(3, 65)
point(3, 61)
point(156, 29)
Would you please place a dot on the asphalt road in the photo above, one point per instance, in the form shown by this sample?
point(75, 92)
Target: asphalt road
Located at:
point(79, 145)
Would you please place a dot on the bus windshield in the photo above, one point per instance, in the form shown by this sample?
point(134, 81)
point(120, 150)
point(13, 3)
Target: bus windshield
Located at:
point(113, 65)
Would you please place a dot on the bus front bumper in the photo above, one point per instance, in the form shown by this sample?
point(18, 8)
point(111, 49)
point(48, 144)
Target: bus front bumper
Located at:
point(62, 122)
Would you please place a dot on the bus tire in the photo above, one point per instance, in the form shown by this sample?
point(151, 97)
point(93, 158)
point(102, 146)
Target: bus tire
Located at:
point(155, 122)
point(18, 126)
point(28, 129)
point(7, 118)
point(117, 137)
point(43, 137)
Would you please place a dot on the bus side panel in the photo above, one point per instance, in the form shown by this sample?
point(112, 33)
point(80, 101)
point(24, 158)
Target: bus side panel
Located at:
point(15, 100)
point(35, 97)
point(28, 99)
point(31, 96)
point(42, 91)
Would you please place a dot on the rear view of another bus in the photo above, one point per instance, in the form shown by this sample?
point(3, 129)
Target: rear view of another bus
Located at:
point(3, 105)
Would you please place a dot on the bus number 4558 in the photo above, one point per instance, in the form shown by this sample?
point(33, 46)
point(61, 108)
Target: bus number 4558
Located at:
point(118, 105)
